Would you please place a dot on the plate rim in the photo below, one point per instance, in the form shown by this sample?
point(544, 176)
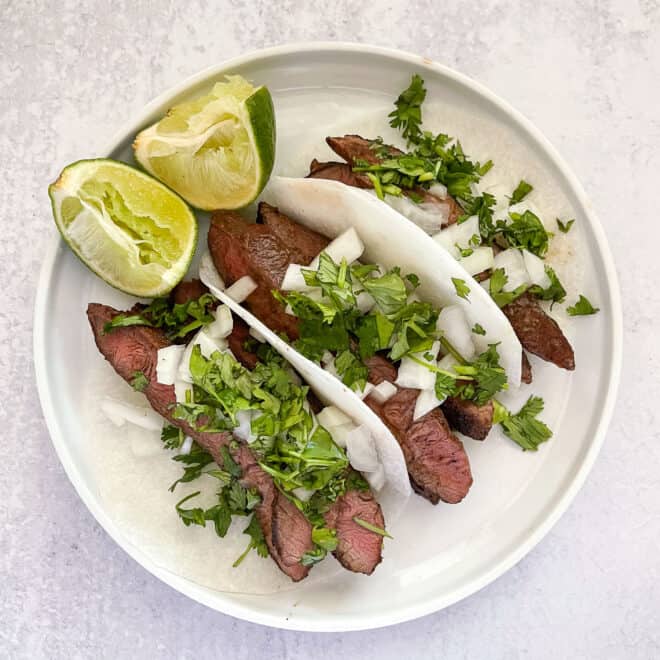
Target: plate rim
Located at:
point(220, 601)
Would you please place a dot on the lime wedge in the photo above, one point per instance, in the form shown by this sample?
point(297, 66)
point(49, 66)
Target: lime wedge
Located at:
point(216, 151)
point(124, 225)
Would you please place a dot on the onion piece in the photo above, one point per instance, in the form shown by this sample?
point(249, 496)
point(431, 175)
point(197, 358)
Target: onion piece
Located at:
point(302, 493)
point(332, 416)
point(223, 324)
point(348, 245)
point(481, 259)
point(294, 280)
point(383, 391)
point(512, 262)
point(365, 391)
point(207, 345)
point(429, 216)
point(167, 365)
point(458, 234)
point(119, 412)
point(536, 269)
point(180, 388)
point(244, 419)
point(447, 363)
point(365, 302)
point(361, 450)
point(241, 288)
point(339, 433)
point(439, 190)
point(425, 402)
point(186, 446)
point(416, 375)
point(453, 324)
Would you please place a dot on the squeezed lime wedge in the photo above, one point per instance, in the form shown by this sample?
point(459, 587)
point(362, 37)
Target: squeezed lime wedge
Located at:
point(217, 151)
point(128, 228)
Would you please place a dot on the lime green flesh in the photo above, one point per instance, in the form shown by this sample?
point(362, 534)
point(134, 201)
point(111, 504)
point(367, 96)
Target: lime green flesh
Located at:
point(124, 225)
point(216, 151)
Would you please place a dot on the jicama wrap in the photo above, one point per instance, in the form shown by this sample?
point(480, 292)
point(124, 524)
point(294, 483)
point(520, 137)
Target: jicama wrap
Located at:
point(331, 208)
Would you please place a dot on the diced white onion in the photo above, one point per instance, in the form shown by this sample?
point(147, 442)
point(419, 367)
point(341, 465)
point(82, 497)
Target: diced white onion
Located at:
point(458, 234)
point(183, 372)
point(416, 375)
point(186, 446)
point(365, 302)
point(168, 362)
point(447, 363)
point(481, 259)
point(223, 324)
point(207, 345)
point(361, 450)
point(383, 391)
point(438, 190)
point(348, 245)
point(327, 358)
point(376, 479)
point(365, 391)
point(294, 279)
point(331, 416)
point(339, 433)
point(426, 401)
point(453, 324)
point(257, 335)
point(512, 262)
point(302, 493)
point(119, 412)
point(241, 288)
point(536, 269)
point(429, 216)
point(244, 419)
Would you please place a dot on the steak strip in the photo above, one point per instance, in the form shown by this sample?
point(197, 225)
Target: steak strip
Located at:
point(238, 248)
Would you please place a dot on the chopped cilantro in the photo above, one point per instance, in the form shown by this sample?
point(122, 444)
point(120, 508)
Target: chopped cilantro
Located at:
point(527, 232)
point(408, 113)
point(498, 280)
point(139, 382)
point(478, 329)
point(524, 428)
point(172, 437)
point(257, 541)
point(488, 377)
point(522, 190)
point(564, 228)
point(555, 291)
point(372, 528)
point(582, 308)
point(462, 289)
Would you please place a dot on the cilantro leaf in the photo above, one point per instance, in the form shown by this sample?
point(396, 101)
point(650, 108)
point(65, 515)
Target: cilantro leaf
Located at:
point(582, 308)
point(555, 291)
point(139, 382)
point(522, 190)
point(478, 329)
point(389, 291)
point(190, 516)
point(524, 428)
point(257, 541)
point(408, 113)
point(372, 528)
point(445, 385)
point(527, 232)
point(172, 437)
point(462, 289)
point(487, 377)
point(564, 228)
point(351, 369)
point(498, 280)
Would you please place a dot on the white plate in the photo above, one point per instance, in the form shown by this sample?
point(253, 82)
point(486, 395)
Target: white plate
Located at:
point(516, 497)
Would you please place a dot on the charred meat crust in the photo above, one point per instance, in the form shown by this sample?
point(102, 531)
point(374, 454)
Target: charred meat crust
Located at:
point(469, 418)
point(539, 333)
point(341, 172)
point(526, 374)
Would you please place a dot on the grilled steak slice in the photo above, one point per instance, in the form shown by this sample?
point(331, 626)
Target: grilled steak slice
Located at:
point(341, 172)
point(286, 531)
point(353, 149)
point(185, 291)
point(437, 463)
point(359, 549)
point(539, 333)
point(445, 456)
point(526, 375)
point(469, 418)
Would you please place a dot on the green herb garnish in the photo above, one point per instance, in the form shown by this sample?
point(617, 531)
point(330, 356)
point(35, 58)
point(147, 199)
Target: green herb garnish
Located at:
point(582, 308)
point(564, 228)
point(462, 289)
point(522, 190)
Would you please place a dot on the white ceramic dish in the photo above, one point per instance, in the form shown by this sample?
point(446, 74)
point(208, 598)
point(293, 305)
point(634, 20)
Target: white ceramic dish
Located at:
point(520, 496)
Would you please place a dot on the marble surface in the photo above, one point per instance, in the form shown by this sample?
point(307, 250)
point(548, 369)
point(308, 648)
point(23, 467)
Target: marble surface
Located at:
point(586, 72)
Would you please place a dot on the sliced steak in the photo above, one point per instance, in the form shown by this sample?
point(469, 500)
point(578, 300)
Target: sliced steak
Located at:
point(526, 374)
point(437, 463)
point(445, 456)
point(354, 149)
point(185, 291)
point(469, 418)
point(341, 172)
point(539, 333)
point(286, 531)
point(359, 549)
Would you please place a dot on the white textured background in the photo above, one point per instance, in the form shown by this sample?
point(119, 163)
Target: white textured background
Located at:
point(587, 72)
